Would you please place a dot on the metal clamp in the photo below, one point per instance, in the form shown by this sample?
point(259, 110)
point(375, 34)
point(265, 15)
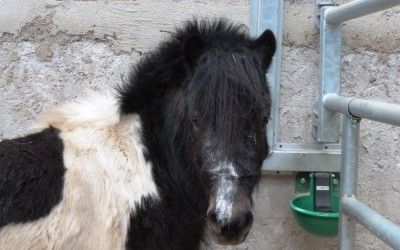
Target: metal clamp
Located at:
point(319, 4)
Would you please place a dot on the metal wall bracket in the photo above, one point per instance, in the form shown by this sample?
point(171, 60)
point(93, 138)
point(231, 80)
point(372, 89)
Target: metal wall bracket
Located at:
point(319, 4)
point(325, 123)
point(287, 157)
point(304, 157)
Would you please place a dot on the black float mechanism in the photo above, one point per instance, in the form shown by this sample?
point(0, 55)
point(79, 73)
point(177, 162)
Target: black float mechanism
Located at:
point(322, 197)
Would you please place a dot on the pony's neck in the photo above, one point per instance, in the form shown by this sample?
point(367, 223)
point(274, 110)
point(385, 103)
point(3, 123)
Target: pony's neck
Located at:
point(167, 141)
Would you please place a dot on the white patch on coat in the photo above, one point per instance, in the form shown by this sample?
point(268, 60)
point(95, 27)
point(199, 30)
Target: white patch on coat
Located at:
point(226, 190)
point(106, 177)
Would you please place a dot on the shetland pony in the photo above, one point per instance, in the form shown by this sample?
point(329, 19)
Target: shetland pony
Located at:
point(203, 99)
point(175, 153)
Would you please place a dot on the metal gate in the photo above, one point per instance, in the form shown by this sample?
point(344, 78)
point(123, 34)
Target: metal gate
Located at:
point(329, 110)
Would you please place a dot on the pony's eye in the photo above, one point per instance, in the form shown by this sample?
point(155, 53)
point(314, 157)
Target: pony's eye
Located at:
point(195, 122)
point(263, 123)
point(253, 138)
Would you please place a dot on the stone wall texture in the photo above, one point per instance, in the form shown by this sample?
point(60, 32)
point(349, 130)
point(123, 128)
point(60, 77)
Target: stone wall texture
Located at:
point(52, 51)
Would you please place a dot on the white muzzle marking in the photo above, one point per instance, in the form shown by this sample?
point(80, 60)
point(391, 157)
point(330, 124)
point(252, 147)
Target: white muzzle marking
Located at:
point(226, 190)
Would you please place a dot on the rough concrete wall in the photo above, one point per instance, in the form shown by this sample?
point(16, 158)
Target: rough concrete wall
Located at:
point(51, 51)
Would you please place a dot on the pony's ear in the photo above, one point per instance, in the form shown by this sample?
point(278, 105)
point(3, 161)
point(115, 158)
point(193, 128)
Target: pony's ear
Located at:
point(265, 45)
point(192, 49)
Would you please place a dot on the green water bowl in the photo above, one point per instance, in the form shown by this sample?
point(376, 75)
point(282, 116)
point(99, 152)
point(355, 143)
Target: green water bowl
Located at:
point(317, 223)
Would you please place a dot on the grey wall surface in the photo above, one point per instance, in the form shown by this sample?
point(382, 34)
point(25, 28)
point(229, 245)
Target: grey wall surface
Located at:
point(52, 51)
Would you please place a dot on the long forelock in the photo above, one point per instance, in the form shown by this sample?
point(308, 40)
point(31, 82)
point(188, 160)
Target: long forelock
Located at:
point(228, 91)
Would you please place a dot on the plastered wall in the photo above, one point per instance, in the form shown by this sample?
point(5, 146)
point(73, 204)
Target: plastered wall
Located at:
point(52, 51)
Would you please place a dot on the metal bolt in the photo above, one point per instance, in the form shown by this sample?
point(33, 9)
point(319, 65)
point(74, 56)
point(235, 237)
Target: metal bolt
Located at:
point(335, 181)
point(302, 180)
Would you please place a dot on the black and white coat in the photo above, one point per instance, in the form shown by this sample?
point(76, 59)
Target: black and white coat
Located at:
point(75, 183)
point(85, 179)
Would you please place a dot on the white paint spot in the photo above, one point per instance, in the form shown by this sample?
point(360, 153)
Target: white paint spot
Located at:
point(322, 188)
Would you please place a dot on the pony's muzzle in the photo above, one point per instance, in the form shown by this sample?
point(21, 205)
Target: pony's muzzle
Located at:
point(232, 230)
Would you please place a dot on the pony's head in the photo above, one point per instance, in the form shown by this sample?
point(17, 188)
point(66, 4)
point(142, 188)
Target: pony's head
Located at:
point(227, 106)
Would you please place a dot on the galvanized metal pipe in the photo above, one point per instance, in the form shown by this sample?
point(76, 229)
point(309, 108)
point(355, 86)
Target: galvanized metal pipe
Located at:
point(349, 173)
point(357, 8)
point(337, 103)
point(373, 221)
point(349, 162)
point(372, 110)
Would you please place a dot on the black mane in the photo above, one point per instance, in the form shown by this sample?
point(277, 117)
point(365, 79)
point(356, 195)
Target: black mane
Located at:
point(165, 68)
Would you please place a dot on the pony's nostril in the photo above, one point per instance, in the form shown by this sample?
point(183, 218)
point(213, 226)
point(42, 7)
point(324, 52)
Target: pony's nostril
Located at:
point(213, 218)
